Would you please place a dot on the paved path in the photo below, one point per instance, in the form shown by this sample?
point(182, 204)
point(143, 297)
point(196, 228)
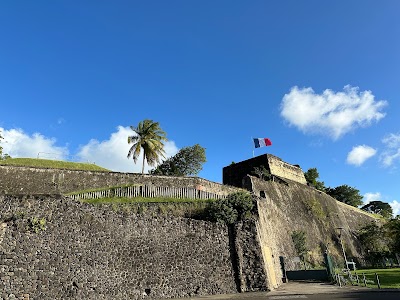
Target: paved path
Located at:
point(311, 291)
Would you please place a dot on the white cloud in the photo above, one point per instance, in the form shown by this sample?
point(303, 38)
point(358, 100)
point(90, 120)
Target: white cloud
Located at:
point(359, 154)
point(330, 113)
point(17, 143)
point(111, 153)
point(369, 197)
point(396, 207)
point(392, 151)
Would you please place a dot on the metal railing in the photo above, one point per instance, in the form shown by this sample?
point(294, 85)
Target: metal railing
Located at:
point(147, 191)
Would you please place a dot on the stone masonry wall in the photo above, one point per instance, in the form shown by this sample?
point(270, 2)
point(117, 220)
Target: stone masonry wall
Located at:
point(282, 169)
point(94, 252)
point(26, 180)
point(284, 208)
point(234, 174)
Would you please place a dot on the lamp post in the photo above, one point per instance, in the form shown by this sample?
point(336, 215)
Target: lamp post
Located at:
point(341, 244)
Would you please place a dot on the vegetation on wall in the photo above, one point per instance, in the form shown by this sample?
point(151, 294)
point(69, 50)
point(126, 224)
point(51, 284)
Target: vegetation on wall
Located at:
point(36, 224)
point(32, 224)
point(262, 173)
point(236, 207)
point(300, 244)
point(314, 207)
point(150, 138)
point(188, 161)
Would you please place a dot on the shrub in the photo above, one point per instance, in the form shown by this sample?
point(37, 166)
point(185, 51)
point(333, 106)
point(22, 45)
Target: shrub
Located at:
point(37, 225)
point(236, 207)
point(299, 241)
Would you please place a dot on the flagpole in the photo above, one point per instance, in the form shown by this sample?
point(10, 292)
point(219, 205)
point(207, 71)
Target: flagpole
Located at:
point(253, 145)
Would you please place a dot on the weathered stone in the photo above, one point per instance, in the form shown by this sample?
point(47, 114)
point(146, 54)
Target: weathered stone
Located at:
point(91, 260)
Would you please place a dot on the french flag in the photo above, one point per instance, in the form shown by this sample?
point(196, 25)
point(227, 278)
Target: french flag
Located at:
point(262, 142)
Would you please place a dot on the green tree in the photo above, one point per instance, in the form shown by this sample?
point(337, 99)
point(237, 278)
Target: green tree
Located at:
point(262, 173)
point(188, 161)
point(150, 137)
point(2, 156)
point(311, 177)
point(393, 231)
point(375, 242)
point(346, 194)
point(379, 207)
point(1, 148)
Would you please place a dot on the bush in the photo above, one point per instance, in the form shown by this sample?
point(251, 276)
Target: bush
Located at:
point(37, 225)
point(236, 207)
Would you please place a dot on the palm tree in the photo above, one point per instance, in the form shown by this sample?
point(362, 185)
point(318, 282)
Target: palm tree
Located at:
point(149, 137)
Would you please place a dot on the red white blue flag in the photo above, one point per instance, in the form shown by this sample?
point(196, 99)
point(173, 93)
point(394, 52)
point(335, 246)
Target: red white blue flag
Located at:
point(262, 142)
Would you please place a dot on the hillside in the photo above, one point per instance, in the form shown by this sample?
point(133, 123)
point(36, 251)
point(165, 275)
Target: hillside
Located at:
point(52, 164)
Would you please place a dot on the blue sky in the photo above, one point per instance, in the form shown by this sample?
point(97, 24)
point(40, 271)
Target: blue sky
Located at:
point(319, 78)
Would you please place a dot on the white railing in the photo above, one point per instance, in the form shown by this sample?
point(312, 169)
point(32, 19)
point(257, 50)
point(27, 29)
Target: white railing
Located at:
point(148, 191)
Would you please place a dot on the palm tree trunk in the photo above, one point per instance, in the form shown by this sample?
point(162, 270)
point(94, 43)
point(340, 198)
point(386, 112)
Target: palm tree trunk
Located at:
point(144, 157)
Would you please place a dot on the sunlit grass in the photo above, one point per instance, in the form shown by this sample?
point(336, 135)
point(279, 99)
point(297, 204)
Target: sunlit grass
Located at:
point(52, 164)
point(389, 278)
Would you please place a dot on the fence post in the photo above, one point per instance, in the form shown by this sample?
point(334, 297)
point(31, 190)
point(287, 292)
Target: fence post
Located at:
point(377, 280)
point(358, 281)
point(365, 282)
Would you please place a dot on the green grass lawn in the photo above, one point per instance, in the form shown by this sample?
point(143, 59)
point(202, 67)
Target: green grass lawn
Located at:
point(389, 278)
point(53, 164)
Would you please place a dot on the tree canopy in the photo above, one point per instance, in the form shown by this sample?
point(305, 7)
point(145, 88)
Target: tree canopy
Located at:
point(150, 137)
point(379, 207)
point(393, 231)
point(380, 241)
point(1, 148)
point(262, 173)
point(311, 177)
point(2, 156)
point(188, 161)
point(346, 194)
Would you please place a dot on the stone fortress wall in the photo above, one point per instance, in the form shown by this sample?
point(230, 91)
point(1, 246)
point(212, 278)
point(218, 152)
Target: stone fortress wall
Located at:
point(278, 167)
point(234, 173)
point(28, 180)
point(284, 208)
point(95, 252)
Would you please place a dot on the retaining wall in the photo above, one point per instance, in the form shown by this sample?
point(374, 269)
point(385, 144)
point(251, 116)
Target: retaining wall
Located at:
point(284, 208)
point(233, 174)
point(94, 252)
point(27, 180)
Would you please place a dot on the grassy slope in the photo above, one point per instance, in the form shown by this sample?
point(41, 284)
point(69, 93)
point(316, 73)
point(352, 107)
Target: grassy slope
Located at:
point(53, 164)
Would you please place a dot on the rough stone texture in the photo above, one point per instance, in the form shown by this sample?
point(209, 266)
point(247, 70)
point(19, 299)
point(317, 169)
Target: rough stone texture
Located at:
point(26, 180)
point(234, 174)
point(250, 261)
point(286, 208)
point(93, 252)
